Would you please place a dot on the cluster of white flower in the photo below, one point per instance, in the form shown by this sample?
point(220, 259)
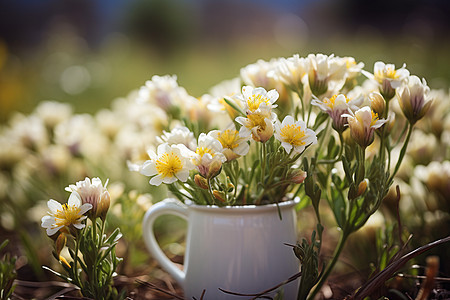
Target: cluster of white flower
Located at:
point(53, 141)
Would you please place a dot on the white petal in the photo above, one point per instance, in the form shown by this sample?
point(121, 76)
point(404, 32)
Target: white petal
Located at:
point(273, 96)
point(182, 175)
point(96, 181)
point(169, 180)
point(286, 146)
point(163, 148)
point(52, 230)
point(54, 206)
point(247, 92)
point(288, 120)
point(149, 168)
point(78, 225)
point(47, 221)
point(157, 180)
point(74, 199)
point(242, 149)
point(85, 207)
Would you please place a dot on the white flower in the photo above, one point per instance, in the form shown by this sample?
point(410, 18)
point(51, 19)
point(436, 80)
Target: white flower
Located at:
point(30, 131)
point(209, 157)
point(257, 98)
point(294, 136)
point(165, 92)
point(291, 71)
point(65, 215)
point(336, 106)
point(258, 74)
point(93, 193)
point(388, 72)
point(53, 113)
point(171, 163)
point(259, 121)
point(387, 78)
point(413, 98)
point(259, 124)
point(179, 135)
point(233, 144)
point(436, 176)
point(353, 70)
point(325, 73)
point(362, 125)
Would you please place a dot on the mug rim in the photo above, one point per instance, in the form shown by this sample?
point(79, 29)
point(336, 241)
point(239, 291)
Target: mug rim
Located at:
point(243, 208)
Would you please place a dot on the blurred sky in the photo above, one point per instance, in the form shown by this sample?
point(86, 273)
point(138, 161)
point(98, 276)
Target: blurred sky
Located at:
point(91, 51)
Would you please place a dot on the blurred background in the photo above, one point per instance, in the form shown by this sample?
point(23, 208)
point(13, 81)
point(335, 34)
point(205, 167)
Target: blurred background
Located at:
point(90, 52)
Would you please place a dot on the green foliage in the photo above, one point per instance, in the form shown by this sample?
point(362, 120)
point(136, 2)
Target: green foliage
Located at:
point(94, 262)
point(7, 273)
point(308, 254)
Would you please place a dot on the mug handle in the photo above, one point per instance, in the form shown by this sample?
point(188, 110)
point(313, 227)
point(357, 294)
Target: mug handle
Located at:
point(168, 206)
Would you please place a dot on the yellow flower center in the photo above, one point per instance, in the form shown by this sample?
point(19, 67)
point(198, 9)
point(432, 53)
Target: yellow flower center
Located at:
point(256, 120)
point(68, 215)
point(228, 138)
point(388, 72)
point(169, 164)
point(332, 100)
point(203, 150)
point(374, 118)
point(350, 63)
point(254, 101)
point(293, 135)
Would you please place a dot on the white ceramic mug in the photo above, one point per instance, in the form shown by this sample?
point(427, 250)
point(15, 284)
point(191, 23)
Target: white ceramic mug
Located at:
point(238, 249)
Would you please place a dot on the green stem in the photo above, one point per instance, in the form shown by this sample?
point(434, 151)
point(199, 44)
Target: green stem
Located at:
point(329, 268)
point(263, 162)
point(75, 262)
point(303, 105)
point(210, 191)
point(362, 170)
point(309, 115)
point(402, 153)
point(95, 267)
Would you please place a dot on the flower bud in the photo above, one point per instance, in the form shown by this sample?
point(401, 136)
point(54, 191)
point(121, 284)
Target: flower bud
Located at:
point(214, 168)
point(60, 243)
point(103, 205)
point(219, 195)
point(317, 86)
point(414, 99)
point(377, 103)
point(201, 181)
point(362, 187)
point(298, 176)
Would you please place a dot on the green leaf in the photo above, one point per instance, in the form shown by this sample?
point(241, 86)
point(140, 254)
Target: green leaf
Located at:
point(114, 237)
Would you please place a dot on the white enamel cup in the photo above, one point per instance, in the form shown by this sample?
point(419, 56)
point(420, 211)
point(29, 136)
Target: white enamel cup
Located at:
point(240, 249)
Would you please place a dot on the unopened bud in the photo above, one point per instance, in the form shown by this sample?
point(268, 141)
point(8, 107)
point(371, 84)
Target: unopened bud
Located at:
point(201, 181)
point(60, 243)
point(103, 205)
point(214, 168)
point(362, 187)
point(298, 176)
point(377, 103)
point(219, 195)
